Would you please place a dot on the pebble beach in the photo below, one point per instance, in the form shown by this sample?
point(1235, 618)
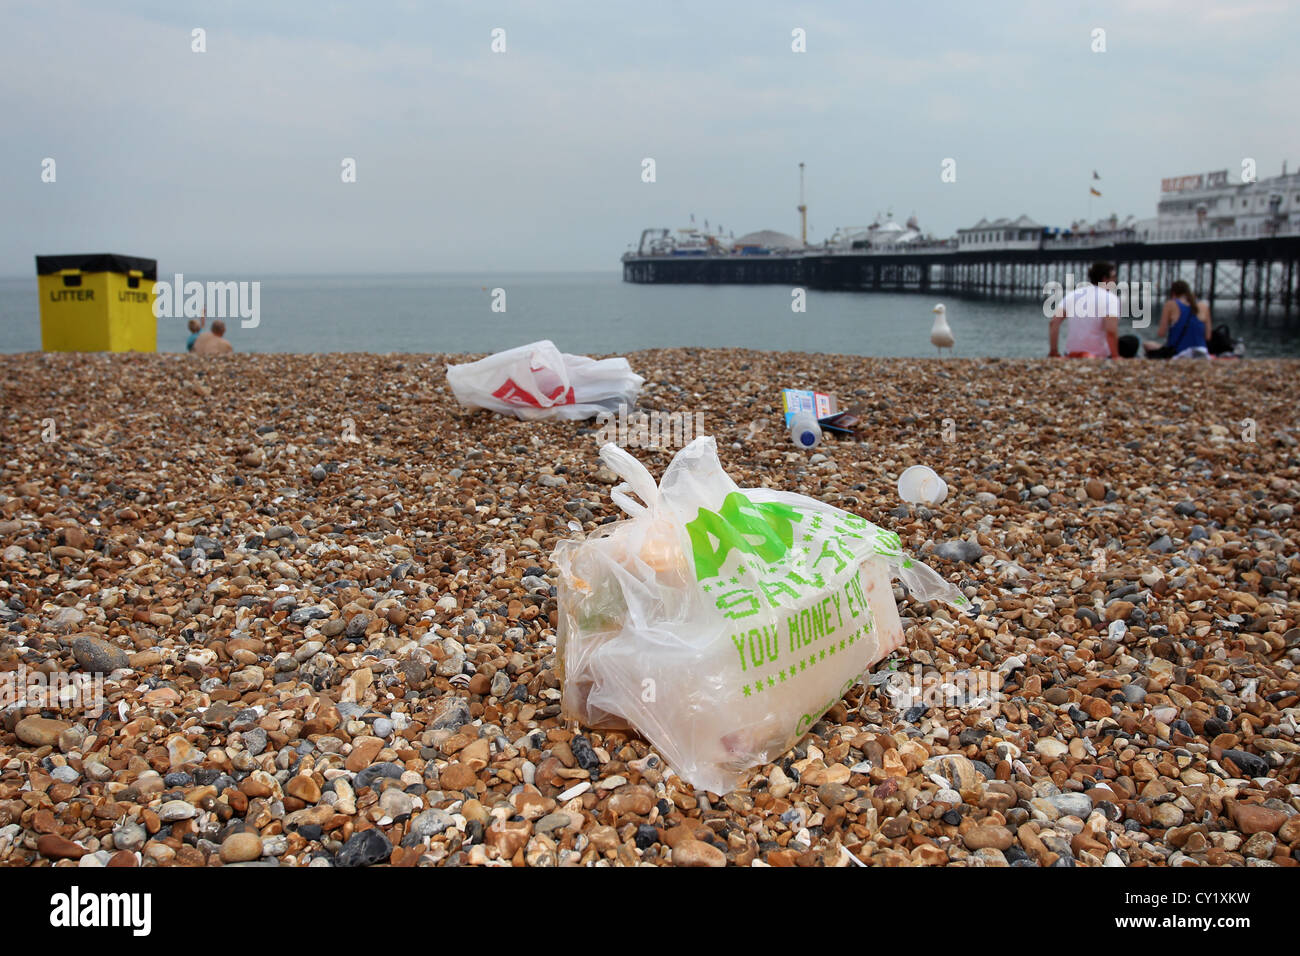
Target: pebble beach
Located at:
point(319, 600)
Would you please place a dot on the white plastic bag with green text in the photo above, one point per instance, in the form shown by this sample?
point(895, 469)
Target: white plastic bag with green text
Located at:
point(722, 622)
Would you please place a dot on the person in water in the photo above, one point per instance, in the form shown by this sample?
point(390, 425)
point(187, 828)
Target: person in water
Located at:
point(1186, 324)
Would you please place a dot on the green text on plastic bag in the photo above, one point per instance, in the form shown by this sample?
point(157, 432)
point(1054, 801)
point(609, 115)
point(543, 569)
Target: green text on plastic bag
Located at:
point(733, 525)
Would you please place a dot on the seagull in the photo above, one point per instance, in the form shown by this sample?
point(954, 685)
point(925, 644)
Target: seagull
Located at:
point(940, 334)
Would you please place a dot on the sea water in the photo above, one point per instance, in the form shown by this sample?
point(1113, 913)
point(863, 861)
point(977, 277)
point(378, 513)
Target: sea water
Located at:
point(599, 313)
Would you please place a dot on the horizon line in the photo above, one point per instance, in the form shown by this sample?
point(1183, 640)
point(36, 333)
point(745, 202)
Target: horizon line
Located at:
point(441, 272)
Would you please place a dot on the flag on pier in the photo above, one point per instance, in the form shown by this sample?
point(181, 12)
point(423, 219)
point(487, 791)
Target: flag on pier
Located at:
point(1093, 190)
point(1094, 175)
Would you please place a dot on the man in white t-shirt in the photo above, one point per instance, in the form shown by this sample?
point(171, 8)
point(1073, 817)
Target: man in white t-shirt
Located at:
point(1093, 312)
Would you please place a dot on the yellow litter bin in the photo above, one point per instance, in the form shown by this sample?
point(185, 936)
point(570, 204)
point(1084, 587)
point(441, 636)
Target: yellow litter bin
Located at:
point(97, 303)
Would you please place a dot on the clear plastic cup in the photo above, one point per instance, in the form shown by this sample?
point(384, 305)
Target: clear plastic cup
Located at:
point(805, 432)
point(920, 485)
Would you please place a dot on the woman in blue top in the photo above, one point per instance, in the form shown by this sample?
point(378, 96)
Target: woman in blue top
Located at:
point(195, 326)
point(1185, 322)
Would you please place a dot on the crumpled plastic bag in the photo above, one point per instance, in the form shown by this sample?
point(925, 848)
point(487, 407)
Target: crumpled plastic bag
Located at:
point(539, 381)
point(722, 622)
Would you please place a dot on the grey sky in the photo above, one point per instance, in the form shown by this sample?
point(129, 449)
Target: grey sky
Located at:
point(227, 163)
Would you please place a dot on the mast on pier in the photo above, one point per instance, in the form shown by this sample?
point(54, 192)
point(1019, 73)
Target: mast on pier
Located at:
point(803, 211)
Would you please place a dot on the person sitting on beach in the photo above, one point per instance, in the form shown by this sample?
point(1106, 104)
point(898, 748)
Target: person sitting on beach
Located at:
point(1186, 322)
point(1093, 312)
point(212, 343)
point(195, 326)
